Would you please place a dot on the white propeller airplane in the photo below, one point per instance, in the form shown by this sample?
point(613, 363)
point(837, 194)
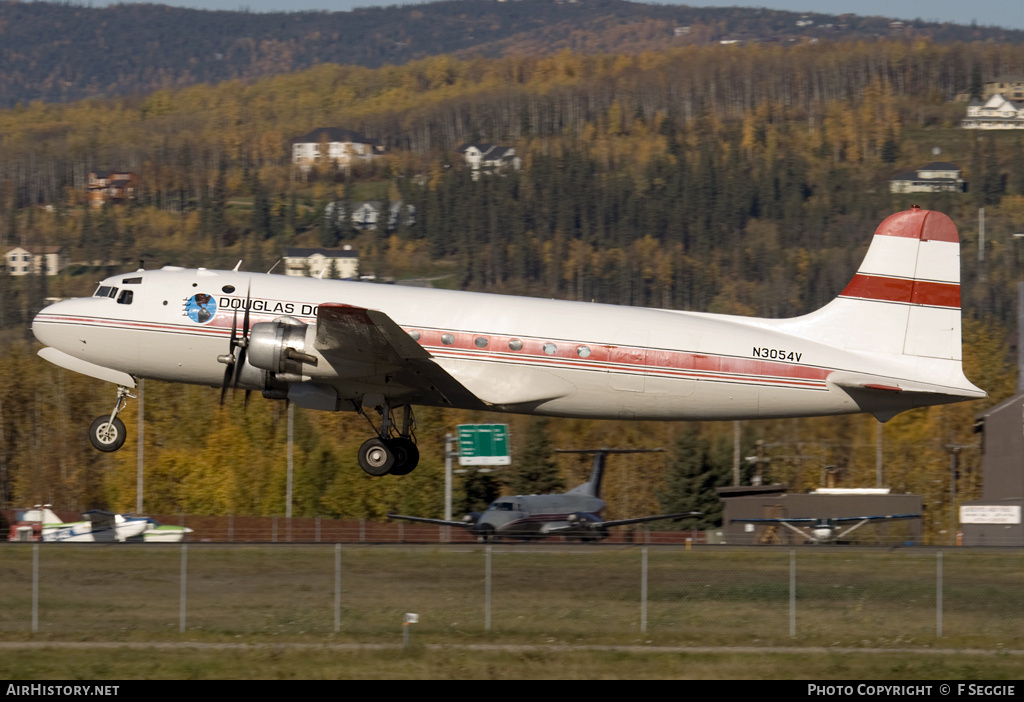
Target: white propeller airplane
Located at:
point(889, 342)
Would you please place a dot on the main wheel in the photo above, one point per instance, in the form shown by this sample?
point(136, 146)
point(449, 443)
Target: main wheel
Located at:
point(376, 457)
point(107, 435)
point(485, 534)
point(407, 456)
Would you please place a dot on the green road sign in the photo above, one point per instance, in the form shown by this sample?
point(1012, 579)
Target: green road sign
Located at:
point(483, 445)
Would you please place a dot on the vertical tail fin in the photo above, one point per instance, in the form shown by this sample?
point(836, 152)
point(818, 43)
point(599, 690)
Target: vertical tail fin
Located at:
point(904, 298)
point(901, 315)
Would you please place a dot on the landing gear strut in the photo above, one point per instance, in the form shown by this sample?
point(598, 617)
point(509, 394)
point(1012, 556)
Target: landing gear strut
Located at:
point(107, 433)
point(389, 453)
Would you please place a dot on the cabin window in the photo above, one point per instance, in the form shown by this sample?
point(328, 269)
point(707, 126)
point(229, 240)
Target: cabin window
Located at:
point(515, 344)
point(228, 289)
point(447, 339)
point(480, 342)
point(549, 349)
point(414, 335)
point(126, 297)
point(582, 351)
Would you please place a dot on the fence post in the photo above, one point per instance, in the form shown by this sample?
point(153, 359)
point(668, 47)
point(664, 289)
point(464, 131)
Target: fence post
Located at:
point(792, 593)
point(337, 588)
point(643, 591)
point(487, 588)
point(938, 593)
point(35, 588)
point(184, 582)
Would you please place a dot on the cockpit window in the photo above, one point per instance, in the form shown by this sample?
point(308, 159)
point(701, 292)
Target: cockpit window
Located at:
point(105, 291)
point(132, 281)
point(126, 297)
point(502, 506)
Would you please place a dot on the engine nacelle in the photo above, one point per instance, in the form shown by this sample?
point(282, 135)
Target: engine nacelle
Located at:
point(280, 348)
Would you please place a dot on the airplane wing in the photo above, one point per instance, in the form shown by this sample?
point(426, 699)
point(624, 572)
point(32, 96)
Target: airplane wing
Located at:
point(368, 346)
point(779, 520)
point(654, 518)
point(880, 516)
point(427, 520)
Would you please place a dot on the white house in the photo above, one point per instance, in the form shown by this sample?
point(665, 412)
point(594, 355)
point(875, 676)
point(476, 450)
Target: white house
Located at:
point(331, 145)
point(489, 157)
point(25, 260)
point(316, 263)
point(995, 113)
point(936, 177)
point(366, 215)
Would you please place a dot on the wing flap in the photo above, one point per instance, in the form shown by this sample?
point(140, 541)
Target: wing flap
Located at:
point(368, 345)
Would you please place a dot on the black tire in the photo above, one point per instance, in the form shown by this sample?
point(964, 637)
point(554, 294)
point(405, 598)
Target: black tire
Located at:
point(107, 436)
point(485, 534)
point(376, 457)
point(407, 456)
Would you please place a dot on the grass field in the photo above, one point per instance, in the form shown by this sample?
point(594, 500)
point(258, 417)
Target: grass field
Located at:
point(295, 600)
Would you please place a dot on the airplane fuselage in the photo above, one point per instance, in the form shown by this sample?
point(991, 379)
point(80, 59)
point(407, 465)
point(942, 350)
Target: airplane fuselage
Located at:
point(515, 354)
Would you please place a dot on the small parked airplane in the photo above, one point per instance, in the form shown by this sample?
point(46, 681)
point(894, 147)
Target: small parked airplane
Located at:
point(575, 514)
point(40, 523)
point(825, 530)
point(890, 342)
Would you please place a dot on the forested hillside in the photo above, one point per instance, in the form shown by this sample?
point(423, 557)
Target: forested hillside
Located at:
point(59, 52)
point(739, 179)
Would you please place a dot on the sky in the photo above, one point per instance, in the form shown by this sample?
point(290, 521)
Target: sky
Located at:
point(1002, 13)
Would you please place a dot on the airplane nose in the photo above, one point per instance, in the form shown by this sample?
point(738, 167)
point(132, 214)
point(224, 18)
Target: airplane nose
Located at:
point(46, 323)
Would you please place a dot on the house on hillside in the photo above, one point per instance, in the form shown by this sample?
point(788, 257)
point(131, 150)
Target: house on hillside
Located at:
point(366, 216)
point(343, 147)
point(110, 186)
point(997, 112)
point(936, 177)
point(1010, 87)
point(489, 158)
point(317, 263)
point(25, 260)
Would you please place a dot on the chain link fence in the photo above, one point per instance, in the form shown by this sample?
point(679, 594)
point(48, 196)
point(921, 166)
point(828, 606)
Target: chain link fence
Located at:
point(528, 593)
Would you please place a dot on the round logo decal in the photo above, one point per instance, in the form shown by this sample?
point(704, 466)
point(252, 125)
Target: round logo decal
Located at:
point(201, 307)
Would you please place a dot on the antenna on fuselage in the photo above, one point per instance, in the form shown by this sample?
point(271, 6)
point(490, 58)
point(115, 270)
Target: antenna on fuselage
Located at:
point(274, 266)
point(593, 485)
point(237, 266)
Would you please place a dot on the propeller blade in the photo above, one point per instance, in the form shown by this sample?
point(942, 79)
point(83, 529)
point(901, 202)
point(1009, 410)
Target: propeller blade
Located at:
point(224, 386)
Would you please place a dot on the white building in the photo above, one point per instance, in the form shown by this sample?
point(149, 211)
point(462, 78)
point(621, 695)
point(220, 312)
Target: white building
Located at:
point(25, 260)
point(995, 113)
point(331, 145)
point(316, 263)
point(367, 215)
point(489, 157)
point(936, 177)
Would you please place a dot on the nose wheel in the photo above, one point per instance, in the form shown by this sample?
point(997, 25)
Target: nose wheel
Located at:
point(107, 433)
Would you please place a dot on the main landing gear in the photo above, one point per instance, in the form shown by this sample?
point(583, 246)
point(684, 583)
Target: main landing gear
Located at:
point(107, 433)
point(388, 453)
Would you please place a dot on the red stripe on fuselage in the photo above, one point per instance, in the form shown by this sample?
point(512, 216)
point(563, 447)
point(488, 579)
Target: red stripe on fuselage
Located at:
point(650, 362)
point(905, 290)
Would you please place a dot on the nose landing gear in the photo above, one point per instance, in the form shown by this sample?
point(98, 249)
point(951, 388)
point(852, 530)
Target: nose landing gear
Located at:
point(107, 433)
